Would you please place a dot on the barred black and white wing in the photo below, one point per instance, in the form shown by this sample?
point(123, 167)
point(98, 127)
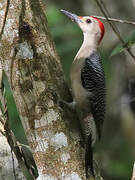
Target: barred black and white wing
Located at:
point(93, 80)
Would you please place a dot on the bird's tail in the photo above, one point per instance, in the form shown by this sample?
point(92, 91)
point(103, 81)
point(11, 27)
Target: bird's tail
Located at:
point(89, 157)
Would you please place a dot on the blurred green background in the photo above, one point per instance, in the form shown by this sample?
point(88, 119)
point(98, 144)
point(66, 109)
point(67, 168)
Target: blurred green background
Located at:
point(114, 153)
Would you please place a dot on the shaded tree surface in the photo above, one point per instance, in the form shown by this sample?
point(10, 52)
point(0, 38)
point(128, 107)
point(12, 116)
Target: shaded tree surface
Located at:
point(29, 58)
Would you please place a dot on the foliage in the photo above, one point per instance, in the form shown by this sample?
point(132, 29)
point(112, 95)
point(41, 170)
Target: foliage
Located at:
point(14, 120)
point(15, 133)
point(129, 41)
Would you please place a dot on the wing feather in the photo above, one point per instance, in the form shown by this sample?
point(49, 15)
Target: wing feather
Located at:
point(93, 80)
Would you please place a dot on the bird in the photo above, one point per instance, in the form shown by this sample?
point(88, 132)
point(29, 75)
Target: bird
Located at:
point(88, 85)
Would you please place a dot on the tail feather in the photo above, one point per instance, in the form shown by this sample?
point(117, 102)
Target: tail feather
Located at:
point(89, 157)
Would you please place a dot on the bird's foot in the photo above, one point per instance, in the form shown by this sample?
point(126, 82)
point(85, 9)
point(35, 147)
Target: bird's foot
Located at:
point(82, 143)
point(70, 105)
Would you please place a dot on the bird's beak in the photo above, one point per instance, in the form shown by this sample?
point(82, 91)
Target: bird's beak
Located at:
point(72, 16)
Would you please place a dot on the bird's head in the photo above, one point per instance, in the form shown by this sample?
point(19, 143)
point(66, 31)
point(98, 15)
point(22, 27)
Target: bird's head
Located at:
point(88, 24)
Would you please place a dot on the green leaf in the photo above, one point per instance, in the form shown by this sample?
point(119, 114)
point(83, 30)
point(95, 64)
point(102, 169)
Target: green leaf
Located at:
point(29, 160)
point(1, 107)
point(14, 120)
point(129, 41)
point(16, 126)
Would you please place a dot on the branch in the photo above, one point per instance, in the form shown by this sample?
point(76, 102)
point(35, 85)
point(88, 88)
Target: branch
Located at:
point(14, 172)
point(5, 17)
point(116, 20)
point(105, 12)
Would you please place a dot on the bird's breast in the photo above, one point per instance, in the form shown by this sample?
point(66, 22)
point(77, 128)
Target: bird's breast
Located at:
point(80, 94)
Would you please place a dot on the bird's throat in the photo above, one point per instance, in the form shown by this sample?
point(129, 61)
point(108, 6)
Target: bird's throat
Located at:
point(89, 46)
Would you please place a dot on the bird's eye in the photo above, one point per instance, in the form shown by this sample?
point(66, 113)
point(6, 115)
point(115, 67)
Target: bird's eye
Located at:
point(88, 21)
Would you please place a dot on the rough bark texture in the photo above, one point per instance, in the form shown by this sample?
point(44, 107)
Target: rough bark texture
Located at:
point(29, 58)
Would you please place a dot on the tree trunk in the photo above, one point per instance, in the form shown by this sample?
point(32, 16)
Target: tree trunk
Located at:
point(29, 58)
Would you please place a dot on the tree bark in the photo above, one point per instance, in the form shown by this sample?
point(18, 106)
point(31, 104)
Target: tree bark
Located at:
point(29, 58)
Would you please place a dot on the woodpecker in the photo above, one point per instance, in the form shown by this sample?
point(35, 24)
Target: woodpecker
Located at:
point(88, 84)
